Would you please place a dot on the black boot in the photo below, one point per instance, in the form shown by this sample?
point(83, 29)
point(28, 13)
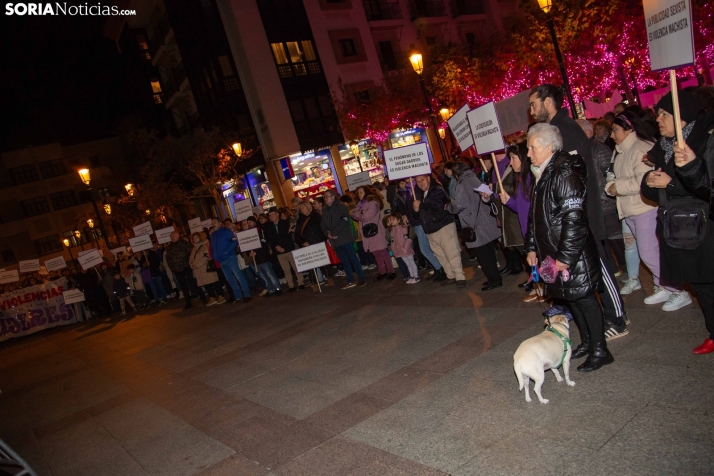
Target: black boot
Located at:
point(380, 277)
point(439, 276)
point(391, 276)
point(584, 348)
point(599, 356)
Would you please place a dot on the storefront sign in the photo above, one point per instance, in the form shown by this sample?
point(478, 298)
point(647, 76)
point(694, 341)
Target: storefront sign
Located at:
point(72, 296)
point(408, 161)
point(140, 243)
point(28, 310)
point(164, 235)
point(460, 127)
point(356, 180)
point(311, 257)
point(143, 229)
point(513, 113)
point(55, 263)
point(10, 276)
point(669, 33)
point(485, 129)
point(29, 266)
point(243, 209)
point(194, 224)
point(248, 240)
point(90, 259)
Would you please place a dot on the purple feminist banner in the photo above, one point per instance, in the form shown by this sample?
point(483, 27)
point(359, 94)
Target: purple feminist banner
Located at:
point(29, 310)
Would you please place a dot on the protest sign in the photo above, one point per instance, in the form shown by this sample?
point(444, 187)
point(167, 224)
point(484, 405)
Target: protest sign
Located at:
point(164, 235)
point(72, 296)
point(243, 209)
point(10, 276)
point(29, 265)
point(28, 310)
point(311, 257)
point(206, 223)
point(143, 229)
point(258, 210)
point(194, 224)
point(513, 113)
point(358, 179)
point(84, 252)
point(485, 129)
point(55, 263)
point(669, 33)
point(90, 259)
point(249, 240)
point(140, 243)
point(407, 161)
point(116, 251)
point(460, 127)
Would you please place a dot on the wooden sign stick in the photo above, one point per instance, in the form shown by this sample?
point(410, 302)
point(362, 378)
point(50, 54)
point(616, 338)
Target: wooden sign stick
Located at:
point(675, 104)
point(498, 174)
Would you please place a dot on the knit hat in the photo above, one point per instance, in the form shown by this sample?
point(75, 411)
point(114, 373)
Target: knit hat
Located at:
point(273, 209)
point(689, 105)
point(251, 218)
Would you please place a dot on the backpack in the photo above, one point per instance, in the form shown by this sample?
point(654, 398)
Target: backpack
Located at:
point(684, 221)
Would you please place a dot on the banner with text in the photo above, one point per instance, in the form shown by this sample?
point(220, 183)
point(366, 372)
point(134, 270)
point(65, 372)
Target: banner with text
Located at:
point(54, 264)
point(28, 310)
point(407, 161)
point(311, 257)
point(485, 129)
point(143, 229)
point(249, 240)
point(243, 209)
point(164, 235)
point(358, 179)
point(29, 265)
point(669, 33)
point(140, 243)
point(460, 127)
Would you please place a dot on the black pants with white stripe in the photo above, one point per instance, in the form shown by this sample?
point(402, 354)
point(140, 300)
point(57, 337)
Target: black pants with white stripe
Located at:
point(612, 304)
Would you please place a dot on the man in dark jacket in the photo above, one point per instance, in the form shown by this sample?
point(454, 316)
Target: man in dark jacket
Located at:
point(336, 226)
point(156, 284)
point(223, 250)
point(279, 234)
point(546, 105)
point(440, 228)
point(178, 255)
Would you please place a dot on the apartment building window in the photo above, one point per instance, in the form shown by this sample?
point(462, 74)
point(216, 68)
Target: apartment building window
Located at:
point(347, 45)
point(143, 45)
point(48, 244)
point(226, 67)
point(52, 168)
point(312, 114)
point(389, 59)
point(23, 174)
point(35, 206)
point(430, 40)
point(362, 97)
point(156, 90)
point(64, 199)
point(8, 257)
point(295, 58)
point(470, 38)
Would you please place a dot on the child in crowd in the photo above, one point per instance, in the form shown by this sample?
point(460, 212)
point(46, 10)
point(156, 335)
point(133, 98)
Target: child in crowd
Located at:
point(136, 283)
point(121, 291)
point(402, 249)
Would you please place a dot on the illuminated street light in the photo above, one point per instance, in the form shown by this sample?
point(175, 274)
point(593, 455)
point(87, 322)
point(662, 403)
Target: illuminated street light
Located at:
point(238, 149)
point(130, 189)
point(66, 242)
point(417, 63)
point(445, 113)
point(90, 222)
point(84, 176)
point(545, 5)
point(416, 59)
point(108, 208)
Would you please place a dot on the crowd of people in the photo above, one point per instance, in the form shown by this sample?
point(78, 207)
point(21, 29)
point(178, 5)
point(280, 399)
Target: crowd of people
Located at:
point(580, 204)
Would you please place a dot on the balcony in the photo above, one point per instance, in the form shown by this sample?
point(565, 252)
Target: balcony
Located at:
point(299, 69)
point(419, 9)
point(378, 11)
point(462, 8)
point(394, 62)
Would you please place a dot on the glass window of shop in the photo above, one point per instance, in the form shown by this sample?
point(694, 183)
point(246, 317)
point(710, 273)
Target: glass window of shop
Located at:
point(313, 174)
point(363, 156)
point(260, 189)
point(236, 191)
point(408, 137)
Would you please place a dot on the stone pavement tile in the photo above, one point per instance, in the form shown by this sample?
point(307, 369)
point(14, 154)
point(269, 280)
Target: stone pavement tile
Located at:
point(665, 349)
point(236, 465)
point(32, 454)
point(401, 383)
point(111, 403)
point(181, 451)
point(70, 441)
point(689, 320)
point(215, 410)
point(147, 380)
point(108, 458)
point(231, 373)
point(347, 412)
point(175, 360)
point(20, 352)
point(47, 429)
point(241, 433)
point(35, 372)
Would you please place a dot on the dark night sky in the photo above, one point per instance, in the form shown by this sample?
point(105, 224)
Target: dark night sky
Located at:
point(60, 80)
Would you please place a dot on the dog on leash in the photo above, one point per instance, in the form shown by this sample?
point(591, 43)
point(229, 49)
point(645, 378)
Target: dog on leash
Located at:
point(546, 351)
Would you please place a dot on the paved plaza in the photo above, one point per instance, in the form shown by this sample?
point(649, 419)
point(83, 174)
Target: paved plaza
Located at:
point(388, 379)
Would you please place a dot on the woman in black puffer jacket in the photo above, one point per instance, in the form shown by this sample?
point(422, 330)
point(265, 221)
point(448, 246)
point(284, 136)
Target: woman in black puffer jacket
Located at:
point(309, 232)
point(558, 227)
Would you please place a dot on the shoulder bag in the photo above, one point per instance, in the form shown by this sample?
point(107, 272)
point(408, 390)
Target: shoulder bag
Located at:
point(684, 221)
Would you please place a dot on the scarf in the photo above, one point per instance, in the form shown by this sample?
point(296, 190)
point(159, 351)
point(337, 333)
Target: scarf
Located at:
point(538, 171)
point(667, 143)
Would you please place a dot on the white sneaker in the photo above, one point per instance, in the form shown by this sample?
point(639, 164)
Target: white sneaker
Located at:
point(340, 273)
point(372, 266)
point(364, 266)
point(630, 286)
point(659, 295)
point(677, 301)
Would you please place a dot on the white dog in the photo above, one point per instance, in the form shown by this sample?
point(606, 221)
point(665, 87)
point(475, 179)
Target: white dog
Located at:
point(542, 352)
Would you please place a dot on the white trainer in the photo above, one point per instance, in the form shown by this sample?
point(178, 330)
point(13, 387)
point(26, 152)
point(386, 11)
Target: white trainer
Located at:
point(630, 286)
point(658, 296)
point(677, 300)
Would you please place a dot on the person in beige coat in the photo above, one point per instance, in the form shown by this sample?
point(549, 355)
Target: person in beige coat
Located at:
point(200, 256)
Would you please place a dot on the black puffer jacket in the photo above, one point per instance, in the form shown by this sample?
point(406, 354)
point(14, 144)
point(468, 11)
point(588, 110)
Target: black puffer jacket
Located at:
point(432, 215)
point(558, 227)
point(308, 229)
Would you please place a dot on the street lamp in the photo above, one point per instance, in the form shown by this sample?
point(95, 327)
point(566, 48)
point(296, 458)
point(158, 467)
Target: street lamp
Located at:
point(108, 208)
point(90, 223)
point(546, 5)
point(130, 189)
point(77, 233)
point(418, 65)
point(66, 242)
point(86, 179)
point(238, 149)
point(445, 113)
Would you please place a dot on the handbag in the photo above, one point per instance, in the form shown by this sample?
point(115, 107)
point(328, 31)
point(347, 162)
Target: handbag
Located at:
point(467, 234)
point(684, 221)
point(369, 230)
point(331, 253)
point(210, 266)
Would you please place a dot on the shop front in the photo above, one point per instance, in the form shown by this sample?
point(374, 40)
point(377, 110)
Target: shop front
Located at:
point(311, 174)
point(363, 156)
point(261, 192)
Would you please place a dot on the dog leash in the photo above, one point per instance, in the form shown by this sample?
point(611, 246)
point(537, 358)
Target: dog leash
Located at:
point(566, 342)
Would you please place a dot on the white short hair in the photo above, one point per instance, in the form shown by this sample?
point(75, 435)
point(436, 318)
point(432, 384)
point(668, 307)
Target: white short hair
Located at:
point(586, 126)
point(546, 135)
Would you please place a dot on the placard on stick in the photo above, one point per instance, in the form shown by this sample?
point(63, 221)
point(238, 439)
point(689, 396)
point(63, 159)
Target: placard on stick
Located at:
point(358, 179)
point(143, 229)
point(670, 35)
point(56, 263)
point(311, 257)
point(140, 243)
point(194, 224)
point(459, 125)
point(243, 209)
point(249, 240)
point(164, 235)
point(485, 129)
point(90, 259)
point(72, 296)
point(84, 252)
point(29, 265)
point(10, 276)
point(408, 161)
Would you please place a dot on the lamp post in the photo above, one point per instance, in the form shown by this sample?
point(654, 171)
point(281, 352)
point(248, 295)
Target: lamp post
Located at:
point(85, 177)
point(417, 64)
point(546, 5)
